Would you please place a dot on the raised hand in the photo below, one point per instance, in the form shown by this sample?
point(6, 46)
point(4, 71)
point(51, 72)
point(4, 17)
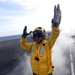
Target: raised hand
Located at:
point(57, 16)
point(25, 32)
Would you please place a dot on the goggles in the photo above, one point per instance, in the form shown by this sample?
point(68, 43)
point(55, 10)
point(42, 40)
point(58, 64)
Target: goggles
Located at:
point(37, 34)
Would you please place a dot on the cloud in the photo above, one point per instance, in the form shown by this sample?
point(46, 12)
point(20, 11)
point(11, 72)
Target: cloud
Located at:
point(60, 51)
point(9, 8)
point(24, 68)
point(13, 16)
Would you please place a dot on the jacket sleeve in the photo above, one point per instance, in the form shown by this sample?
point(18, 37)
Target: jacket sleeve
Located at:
point(24, 45)
point(54, 35)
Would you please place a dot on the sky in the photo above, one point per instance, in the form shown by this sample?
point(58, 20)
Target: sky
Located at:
point(16, 14)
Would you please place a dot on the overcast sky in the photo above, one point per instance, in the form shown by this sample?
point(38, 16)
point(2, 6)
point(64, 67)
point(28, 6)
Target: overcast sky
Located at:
point(15, 14)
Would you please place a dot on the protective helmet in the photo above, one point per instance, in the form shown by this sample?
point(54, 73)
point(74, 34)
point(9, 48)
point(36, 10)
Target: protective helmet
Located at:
point(39, 31)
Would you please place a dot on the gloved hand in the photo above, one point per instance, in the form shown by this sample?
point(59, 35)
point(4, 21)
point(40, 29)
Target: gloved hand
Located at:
point(25, 32)
point(57, 16)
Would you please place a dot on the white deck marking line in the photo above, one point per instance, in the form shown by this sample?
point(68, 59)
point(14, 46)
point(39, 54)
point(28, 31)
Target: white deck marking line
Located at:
point(72, 66)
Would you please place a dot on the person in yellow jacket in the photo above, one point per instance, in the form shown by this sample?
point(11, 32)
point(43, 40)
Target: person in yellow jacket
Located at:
point(41, 49)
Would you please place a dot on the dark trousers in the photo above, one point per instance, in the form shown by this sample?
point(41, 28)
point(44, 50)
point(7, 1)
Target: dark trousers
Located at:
point(48, 74)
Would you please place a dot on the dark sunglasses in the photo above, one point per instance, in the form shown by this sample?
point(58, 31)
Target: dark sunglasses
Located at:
point(37, 34)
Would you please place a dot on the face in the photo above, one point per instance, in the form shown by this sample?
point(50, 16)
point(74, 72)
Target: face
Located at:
point(38, 37)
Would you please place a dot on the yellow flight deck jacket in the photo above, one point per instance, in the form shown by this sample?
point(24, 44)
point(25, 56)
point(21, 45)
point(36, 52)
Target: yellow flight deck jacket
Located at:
point(41, 54)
